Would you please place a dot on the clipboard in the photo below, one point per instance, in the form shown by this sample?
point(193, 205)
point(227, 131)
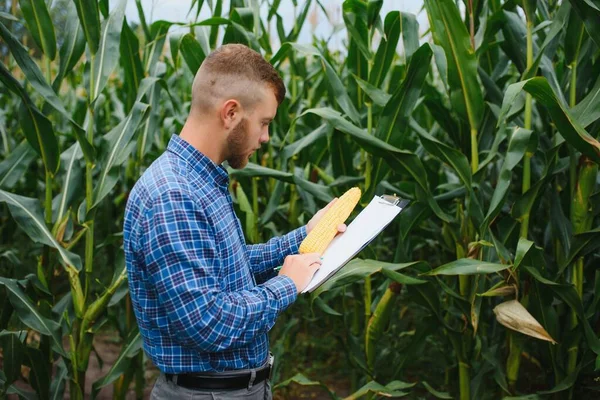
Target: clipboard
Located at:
point(369, 223)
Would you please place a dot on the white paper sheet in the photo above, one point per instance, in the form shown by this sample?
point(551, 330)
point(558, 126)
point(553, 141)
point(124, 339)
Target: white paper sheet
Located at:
point(368, 224)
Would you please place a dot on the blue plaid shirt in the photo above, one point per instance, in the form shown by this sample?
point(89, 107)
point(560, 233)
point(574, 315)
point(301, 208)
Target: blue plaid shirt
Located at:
point(204, 300)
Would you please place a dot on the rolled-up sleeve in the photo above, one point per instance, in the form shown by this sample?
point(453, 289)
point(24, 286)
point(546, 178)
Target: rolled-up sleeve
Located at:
point(183, 266)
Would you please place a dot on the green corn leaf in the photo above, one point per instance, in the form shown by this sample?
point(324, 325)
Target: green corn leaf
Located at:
point(252, 170)
point(118, 148)
point(36, 127)
point(377, 96)
point(30, 315)
point(300, 379)
point(529, 6)
point(23, 394)
point(556, 27)
point(392, 389)
point(154, 47)
point(514, 45)
point(214, 32)
point(13, 351)
point(398, 160)
point(131, 347)
point(373, 9)
point(89, 17)
point(192, 52)
point(587, 110)
point(72, 47)
point(198, 7)
point(8, 16)
point(457, 160)
point(573, 38)
point(523, 247)
point(130, 61)
point(240, 28)
point(16, 164)
point(72, 179)
point(174, 44)
point(107, 57)
point(246, 208)
point(522, 206)
point(57, 386)
point(387, 48)
point(202, 36)
point(40, 374)
point(151, 91)
point(299, 22)
point(40, 25)
point(28, 215)
point(563, 385)
point(517, 146)
point(412, 216)
point(38, 131)
point(468, 266)
point(342, 151)
point(359, 269)
point(274, 203)
point(305, 142)
point(567, 125)
point(450, 32)
point(582, 244)
point(590, 16)
point(392, 125)
point(356, 19)
point(436, 393)
point(333, 80)
point(38, 82)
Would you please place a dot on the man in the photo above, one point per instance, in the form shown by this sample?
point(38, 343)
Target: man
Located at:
point(203, 299)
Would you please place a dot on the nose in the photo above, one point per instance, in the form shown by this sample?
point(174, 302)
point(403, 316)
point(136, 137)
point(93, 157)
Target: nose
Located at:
point(264, 138)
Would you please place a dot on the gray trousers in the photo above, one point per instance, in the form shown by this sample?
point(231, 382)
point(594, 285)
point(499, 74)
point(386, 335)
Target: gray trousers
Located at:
point(167, 390)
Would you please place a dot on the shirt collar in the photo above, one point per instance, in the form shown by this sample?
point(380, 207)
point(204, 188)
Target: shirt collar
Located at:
point(198, 161)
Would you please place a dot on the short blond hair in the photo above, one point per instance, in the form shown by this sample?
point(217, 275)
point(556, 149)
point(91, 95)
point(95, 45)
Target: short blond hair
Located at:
point(234, 71)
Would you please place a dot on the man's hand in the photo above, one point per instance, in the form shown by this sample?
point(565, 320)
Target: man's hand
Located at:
point(301, 268)
point(317, 217)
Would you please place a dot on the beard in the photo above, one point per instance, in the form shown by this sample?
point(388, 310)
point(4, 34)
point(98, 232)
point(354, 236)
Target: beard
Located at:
point(237, 144)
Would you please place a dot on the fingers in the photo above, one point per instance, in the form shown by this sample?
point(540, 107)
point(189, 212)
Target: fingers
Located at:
point(314, 268)
point(341, 228)
point(312, 258)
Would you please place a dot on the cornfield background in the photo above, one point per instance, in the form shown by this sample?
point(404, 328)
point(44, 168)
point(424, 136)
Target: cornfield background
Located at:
point(486, 287)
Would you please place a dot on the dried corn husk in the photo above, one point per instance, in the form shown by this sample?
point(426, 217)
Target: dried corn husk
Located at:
point(514, 316)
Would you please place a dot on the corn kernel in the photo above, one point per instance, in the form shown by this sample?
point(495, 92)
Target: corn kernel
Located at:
point(323, 233)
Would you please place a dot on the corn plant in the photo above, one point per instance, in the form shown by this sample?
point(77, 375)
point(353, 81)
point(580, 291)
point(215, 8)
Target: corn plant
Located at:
point(487, 120)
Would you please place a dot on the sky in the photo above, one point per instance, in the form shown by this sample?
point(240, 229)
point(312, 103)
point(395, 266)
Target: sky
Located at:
point(177, 10)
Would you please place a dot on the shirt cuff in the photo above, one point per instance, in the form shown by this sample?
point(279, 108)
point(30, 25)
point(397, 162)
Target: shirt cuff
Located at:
point(284, 290)
point(293, 239)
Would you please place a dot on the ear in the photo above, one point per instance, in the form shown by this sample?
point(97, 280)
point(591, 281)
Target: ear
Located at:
point(231, 113)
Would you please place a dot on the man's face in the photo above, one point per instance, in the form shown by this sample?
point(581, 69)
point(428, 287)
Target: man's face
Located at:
point(252, 131)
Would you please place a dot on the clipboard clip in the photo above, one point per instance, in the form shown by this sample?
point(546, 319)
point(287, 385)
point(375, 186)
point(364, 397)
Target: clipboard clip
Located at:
point(392, 200)
point(389, 200)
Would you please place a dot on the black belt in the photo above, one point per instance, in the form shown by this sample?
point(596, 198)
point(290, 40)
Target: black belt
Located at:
point(220, 381)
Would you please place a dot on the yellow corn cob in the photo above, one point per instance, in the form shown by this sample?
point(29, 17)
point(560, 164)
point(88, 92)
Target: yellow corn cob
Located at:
point(323, 233)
